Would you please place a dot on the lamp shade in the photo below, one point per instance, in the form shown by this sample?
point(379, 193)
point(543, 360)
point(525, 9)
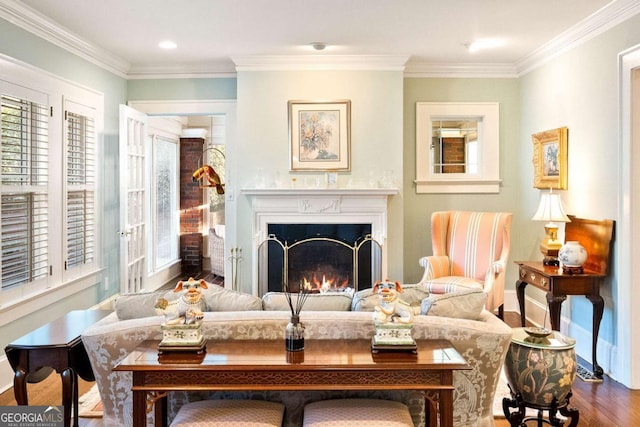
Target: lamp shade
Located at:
point(550, 209)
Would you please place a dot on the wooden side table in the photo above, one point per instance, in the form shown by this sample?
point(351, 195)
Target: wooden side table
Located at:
point(56, 345)
point(558, 285)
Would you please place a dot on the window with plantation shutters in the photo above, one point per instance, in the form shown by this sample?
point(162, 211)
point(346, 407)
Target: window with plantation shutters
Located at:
point(50, 204)
point(80, 181)
point(24, 190)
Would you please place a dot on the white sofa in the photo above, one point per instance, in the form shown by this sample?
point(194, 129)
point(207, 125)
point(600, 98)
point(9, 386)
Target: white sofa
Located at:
point(483, 342)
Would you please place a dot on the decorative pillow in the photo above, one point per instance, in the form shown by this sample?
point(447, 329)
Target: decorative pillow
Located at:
point(218, 298)
point(466, 304)
point(449, 284)
point(334, 301)
point(366, 300)
point(135, 306)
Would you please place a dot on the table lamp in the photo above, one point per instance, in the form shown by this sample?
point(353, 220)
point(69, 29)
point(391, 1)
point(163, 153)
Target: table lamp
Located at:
point(550, 210)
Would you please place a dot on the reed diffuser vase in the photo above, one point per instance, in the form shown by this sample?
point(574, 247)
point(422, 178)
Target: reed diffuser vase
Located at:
point(294, 333)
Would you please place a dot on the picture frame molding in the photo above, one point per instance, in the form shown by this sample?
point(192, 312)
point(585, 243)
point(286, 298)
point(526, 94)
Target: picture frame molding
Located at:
point(543, 143)
point(340, 142)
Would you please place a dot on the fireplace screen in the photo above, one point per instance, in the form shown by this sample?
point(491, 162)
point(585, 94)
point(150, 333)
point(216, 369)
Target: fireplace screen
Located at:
point(319, 264)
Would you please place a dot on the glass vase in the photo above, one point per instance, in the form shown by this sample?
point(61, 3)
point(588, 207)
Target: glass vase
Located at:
point(294, 334)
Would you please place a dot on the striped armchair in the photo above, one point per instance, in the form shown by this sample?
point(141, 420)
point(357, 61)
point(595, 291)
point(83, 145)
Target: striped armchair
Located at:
point(470, 250)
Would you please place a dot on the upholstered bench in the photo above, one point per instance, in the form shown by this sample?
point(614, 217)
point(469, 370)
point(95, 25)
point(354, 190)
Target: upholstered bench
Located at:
point(230, 413)
point(357, 412)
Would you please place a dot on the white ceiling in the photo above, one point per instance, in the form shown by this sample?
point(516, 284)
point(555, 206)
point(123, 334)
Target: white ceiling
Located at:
point(215, 36)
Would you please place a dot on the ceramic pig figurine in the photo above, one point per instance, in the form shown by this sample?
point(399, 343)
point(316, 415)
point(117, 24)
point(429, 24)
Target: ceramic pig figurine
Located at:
point(189, 307)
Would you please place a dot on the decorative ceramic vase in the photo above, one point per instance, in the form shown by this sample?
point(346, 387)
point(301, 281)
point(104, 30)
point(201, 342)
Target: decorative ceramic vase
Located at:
point(294, 334)
point(541, 368)
point(572, 254)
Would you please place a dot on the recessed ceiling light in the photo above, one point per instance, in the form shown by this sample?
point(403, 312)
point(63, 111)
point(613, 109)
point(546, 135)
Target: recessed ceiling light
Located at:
point(318, 45)
point(483, 44)
point(167, 44)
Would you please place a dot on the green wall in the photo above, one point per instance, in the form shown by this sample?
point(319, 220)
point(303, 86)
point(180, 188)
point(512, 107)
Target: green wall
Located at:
point(181, 89)
point(418, 207)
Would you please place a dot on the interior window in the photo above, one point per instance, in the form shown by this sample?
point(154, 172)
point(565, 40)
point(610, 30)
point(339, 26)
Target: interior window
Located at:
point(457, 147)
point(454, 146)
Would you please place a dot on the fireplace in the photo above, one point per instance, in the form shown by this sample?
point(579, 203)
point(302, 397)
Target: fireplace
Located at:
point(317, 210)
point(319, 258)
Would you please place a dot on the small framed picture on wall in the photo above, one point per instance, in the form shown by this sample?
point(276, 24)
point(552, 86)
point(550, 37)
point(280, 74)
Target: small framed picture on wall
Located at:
point(320, 135)
point(550, 159)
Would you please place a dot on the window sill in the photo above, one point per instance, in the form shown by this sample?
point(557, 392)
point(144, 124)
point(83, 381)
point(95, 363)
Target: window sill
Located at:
point(40, 299)
point(458, 186)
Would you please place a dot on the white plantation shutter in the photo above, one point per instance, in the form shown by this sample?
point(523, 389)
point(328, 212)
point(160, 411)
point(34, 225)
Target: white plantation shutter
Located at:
point(81, 185)
point(24, 201)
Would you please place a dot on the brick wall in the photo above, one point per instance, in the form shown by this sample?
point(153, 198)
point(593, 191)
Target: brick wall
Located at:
point(453, 149)
point(191, 200)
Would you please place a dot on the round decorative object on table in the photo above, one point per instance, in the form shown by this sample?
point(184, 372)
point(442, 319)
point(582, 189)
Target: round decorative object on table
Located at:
point(572, 255)
point(540, 370)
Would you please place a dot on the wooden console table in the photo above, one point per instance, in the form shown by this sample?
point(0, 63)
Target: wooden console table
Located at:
point(596, 237)
point(265, 365)
point(55, 345)
point(558, 286)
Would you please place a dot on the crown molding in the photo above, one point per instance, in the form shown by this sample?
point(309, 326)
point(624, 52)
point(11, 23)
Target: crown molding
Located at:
point(604, 19)
point(320, 62)
point(470, 70)
point(28, 19)
point(178, 71)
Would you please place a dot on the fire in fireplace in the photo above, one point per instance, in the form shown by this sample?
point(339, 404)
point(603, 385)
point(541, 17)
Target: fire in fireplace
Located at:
point(319, 258)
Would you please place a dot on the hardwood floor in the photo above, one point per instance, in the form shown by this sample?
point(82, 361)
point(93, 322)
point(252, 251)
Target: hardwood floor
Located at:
point(600, 404)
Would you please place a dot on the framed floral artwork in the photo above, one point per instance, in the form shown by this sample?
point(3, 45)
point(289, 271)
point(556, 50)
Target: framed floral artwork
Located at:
point(550, 159)
point(320, 135)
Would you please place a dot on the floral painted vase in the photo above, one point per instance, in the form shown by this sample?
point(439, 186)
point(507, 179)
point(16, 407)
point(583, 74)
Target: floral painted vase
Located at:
point(541, 368)
point(572, 254)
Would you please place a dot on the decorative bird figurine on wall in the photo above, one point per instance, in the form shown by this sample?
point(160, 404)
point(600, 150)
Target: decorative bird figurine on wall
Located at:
point(212, 178)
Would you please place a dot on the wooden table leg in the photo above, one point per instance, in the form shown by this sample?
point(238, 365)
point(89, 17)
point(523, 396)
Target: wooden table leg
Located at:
point(431, 417)
point(446, 400)
point(520, 285)
point(140, 408)
point(555, 304)
point(69, 391)
point(598, 309)
point(20, 387)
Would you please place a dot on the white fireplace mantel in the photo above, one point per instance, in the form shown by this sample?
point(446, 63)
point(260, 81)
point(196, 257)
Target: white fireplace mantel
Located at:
point(318, 206)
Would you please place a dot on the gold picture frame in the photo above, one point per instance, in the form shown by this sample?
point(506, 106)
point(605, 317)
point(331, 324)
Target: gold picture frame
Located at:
point(320, 135)
point(550, 159)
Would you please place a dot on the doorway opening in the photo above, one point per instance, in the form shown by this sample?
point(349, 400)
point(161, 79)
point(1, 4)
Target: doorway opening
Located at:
point(218, 118)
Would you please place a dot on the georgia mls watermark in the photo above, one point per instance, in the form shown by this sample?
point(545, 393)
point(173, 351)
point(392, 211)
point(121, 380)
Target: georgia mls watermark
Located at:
point(31, 416)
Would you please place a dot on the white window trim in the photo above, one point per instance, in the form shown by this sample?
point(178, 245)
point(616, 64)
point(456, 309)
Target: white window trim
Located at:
point(12, 306)
point(487, 180)
point(170, 131)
